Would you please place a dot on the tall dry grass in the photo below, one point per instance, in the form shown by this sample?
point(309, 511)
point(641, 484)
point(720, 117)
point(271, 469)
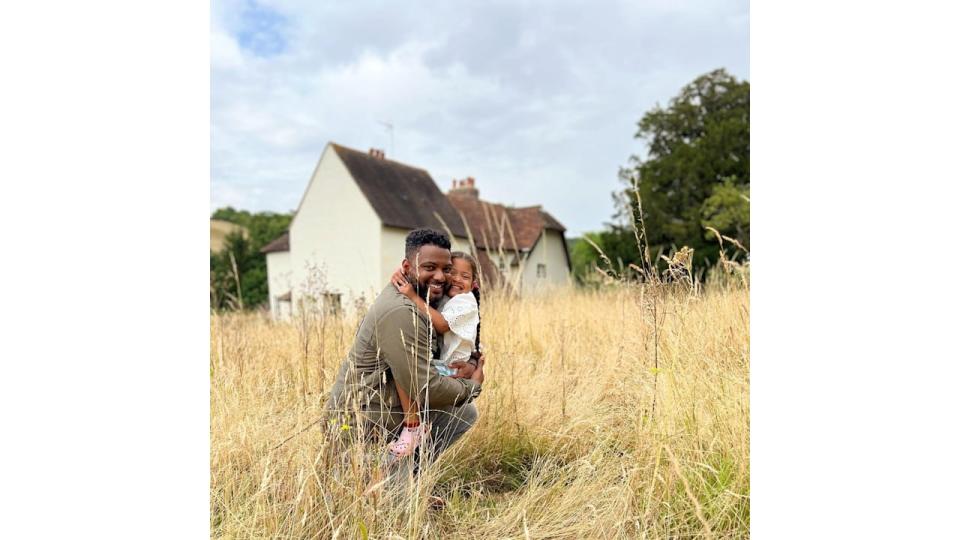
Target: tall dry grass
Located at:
point(617, 413)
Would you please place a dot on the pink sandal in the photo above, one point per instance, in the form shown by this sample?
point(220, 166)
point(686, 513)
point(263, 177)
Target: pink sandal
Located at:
point(408, 440)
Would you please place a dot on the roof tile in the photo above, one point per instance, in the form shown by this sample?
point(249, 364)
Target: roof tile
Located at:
point(495, 226)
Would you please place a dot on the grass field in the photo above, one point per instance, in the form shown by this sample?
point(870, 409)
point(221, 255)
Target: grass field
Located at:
point(619, 413)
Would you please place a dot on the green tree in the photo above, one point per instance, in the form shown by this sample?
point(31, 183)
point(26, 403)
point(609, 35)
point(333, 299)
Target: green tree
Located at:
point(618, 245)
point(727, 209)
point(582, 258)
point(238, 274)
point(697, 170)
point(262, 226)
point(231, 272)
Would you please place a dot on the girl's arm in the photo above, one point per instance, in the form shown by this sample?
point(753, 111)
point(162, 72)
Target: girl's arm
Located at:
point(435, 317)
point(406, 289)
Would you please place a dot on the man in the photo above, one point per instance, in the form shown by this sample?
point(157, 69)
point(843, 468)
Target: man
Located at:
point(393, 348)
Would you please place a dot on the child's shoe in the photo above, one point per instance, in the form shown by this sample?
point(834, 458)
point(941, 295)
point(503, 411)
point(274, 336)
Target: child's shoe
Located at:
point(408, 440)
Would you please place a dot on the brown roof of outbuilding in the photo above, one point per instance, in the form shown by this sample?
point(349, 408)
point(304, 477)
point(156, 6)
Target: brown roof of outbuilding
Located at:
point(551, 222)
point(280, 243)
point(495, 226)
point(401, 195)
point(489, 273)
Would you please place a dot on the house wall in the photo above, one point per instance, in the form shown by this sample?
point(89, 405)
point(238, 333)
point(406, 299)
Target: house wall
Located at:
point(460, 244)
point(502, 261)
point(392, 243)
point(549, 252)
point(279, 279)
point(336, 230)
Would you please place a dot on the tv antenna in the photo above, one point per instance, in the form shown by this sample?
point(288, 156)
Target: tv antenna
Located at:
point(389, 127)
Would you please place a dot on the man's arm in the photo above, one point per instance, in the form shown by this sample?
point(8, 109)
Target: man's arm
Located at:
point(404, 342)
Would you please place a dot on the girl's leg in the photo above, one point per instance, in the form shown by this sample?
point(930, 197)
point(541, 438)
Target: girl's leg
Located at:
point(411, 411)
point(412, 430)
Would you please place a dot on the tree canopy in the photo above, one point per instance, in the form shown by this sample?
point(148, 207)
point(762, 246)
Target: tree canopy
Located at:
point(697, 170)
point(695, 176)
point(238, 273)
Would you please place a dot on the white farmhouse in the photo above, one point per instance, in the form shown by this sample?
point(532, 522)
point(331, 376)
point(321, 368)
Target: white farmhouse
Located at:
point(348, 233)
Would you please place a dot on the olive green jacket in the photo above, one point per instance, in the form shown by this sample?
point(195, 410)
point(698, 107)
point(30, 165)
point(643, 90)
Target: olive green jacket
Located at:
point(393, 348)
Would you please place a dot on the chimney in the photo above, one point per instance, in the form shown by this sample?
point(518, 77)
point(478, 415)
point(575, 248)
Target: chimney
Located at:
point(465, 188)
point(377, 153)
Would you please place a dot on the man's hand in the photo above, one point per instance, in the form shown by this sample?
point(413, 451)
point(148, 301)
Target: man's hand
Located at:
point(477, 375)
point(400, 282)
point(464, 369)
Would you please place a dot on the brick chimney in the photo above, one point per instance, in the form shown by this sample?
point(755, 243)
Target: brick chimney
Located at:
point(377, 153)
point(465, 188)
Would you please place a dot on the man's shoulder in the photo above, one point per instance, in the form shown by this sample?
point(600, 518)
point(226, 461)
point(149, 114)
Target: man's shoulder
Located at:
point(389, 305)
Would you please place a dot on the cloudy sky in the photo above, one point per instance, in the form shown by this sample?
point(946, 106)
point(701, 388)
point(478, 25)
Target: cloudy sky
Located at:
point(538, 101)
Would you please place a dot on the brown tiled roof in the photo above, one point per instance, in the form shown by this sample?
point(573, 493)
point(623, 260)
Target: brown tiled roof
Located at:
point(401, 195)
point(551, 222)
point(491, 224)
point(490, 275)
point(528, 225)
point(280, 243)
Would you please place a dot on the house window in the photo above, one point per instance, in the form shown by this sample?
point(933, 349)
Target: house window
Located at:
point(541, 270)
point(503, 267)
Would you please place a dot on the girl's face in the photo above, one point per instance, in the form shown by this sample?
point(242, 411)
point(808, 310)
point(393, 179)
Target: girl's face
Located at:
point(460, 278)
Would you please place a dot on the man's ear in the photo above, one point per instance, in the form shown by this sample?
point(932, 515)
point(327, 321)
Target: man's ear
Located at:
point(405, 266)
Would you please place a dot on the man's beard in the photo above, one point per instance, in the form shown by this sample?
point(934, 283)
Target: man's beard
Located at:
point(423, 291)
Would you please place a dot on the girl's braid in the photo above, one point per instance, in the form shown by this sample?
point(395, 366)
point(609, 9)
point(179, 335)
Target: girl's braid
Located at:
point(476, 294)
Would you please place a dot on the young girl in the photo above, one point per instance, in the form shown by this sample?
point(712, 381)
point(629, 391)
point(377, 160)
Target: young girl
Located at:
point(458, 321)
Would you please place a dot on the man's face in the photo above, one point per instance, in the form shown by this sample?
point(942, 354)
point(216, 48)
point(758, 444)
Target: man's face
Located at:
point(427, 271)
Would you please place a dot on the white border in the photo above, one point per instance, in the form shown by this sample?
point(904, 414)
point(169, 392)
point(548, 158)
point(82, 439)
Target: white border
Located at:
point(854, 367)
point(105, 141)
point(105, 207)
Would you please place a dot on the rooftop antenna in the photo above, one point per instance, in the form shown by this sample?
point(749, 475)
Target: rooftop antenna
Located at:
point(389, 127)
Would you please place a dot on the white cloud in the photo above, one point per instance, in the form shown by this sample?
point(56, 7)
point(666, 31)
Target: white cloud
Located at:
point(538, 102)
point(224, 52)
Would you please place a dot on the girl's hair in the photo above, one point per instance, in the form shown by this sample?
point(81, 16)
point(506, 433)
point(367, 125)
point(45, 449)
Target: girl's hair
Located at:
point(475, 290)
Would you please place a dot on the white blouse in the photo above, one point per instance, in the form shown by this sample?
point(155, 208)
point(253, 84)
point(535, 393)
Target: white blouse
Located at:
point(462, 314)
